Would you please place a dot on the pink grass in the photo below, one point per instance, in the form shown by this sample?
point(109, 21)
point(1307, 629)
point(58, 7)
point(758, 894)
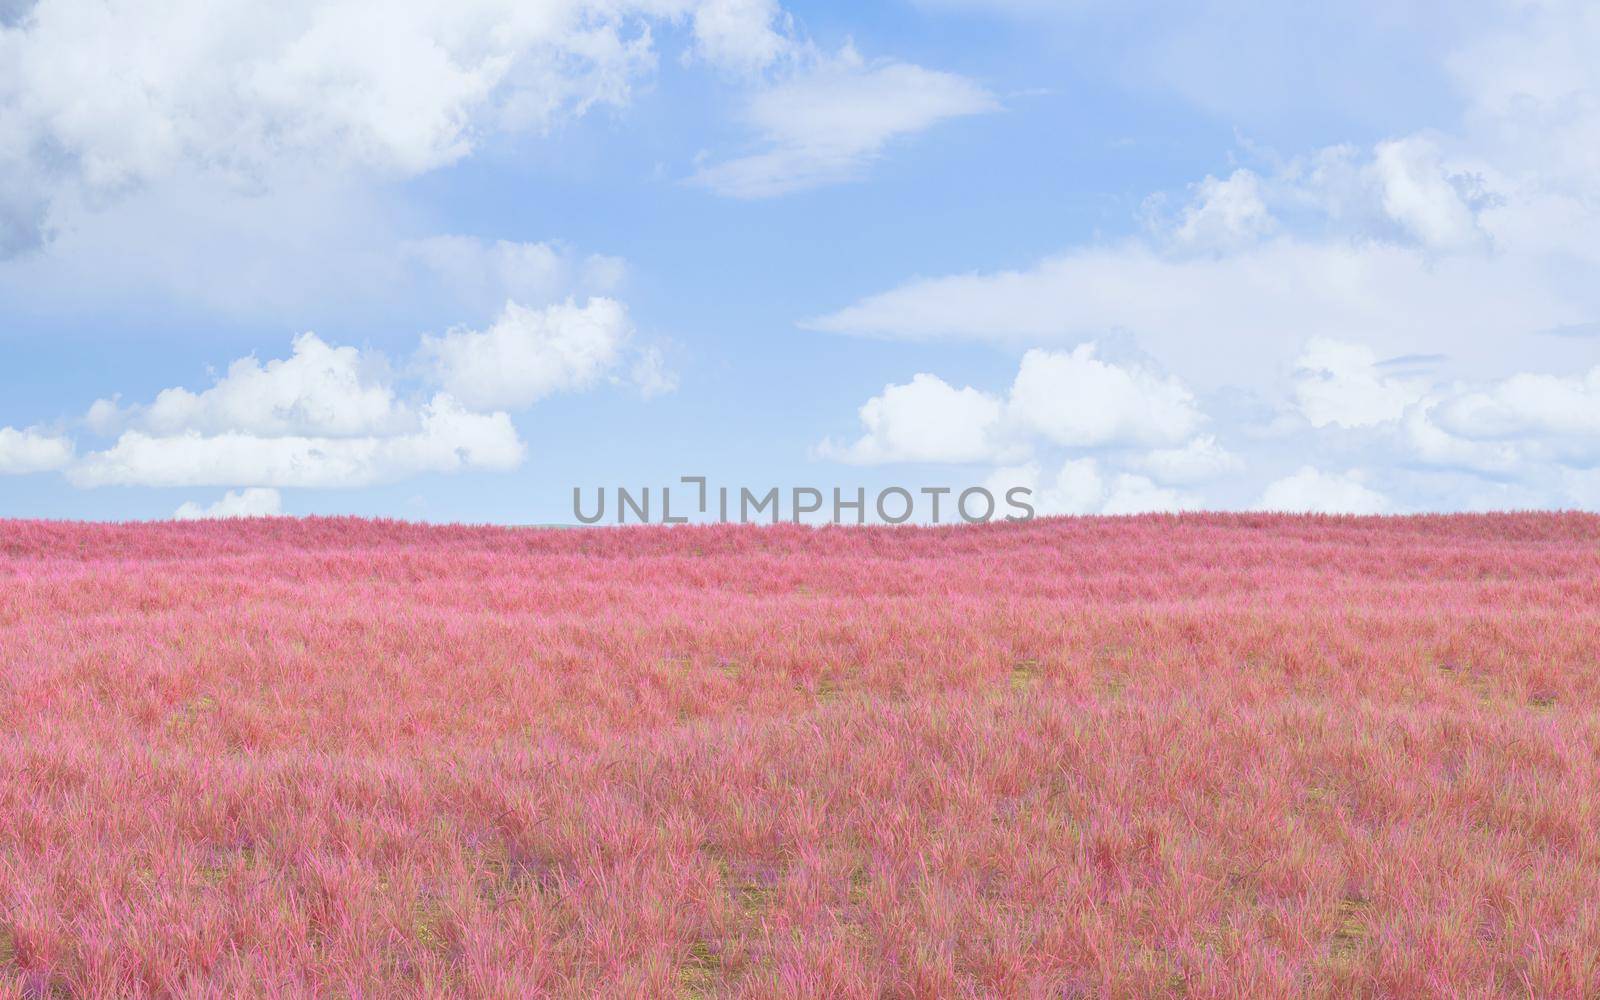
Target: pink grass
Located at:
point(1207, 756)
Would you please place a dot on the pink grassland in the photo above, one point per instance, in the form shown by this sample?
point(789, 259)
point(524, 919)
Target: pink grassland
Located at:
point(1200, 756)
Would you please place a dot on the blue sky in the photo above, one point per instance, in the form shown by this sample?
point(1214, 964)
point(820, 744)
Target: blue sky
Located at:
point(450, 261)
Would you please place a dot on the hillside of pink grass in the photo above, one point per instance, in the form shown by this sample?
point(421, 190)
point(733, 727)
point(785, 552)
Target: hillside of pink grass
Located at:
point(1204, 756)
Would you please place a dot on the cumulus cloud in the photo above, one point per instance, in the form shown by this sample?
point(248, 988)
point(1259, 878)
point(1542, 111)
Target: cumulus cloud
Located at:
point(101, 99)
point(742, 34)
point(1421, 243)
point(447, 438)
point(1058, 398)
point(1072, 398)
point(1197, 461)
point(321, 389)
point(32, 450)
point(1342, 384)
point(828, 123)
point(1390, 306)
point(1527, 405)
point(1309, 491)
point(1515, 426)
point(924, 420)
point(1080, 487)
point(330, 417)
point(1222, 215)
point(1427, 442)
point(253, 502)
point(1141, 425)
point(528, 354)
point(1498, 427)
point(1423, 197)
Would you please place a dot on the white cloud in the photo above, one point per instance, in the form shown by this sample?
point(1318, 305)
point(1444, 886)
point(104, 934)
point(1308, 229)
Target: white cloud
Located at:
point(1076, 400)
point(345, 252)
point(531, 353)
point(1262, 303)
point(1426, 243)
point(1533, 90)
point(1420, 195)
point(1309, 491)
point(484, 273)
point(1058, 398)
point(103, 98)
point(329, 417)
point(319, 389)
point(1341, 384)
point(1396, 286)
point(1079, 487)
point(650, 375)
point(254, 502)
point(1509, 426)
point(447, 438)
point(743, 34)
point(1130, 494)
point(925, 420)
point(332, 417)
point(1526, 405)
point(1197, 461)
point(1224, 214)
point(1431, 444)
point(32, 450)
point(828, 123)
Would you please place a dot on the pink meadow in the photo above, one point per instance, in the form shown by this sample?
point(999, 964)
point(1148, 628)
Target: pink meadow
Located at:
point(1196, 756)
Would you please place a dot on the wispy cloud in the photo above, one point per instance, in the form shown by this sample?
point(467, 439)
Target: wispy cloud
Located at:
point(828, 124)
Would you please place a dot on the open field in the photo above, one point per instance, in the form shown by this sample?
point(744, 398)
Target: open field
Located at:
point(1194, 756)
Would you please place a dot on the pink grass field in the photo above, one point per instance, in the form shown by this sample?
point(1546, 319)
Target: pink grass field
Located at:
point(1201, 756)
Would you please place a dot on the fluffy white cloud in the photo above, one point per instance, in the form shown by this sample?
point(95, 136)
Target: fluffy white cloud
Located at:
point(1427, 243)
point(1076, 488)
point(32, 450)
point(1079, 487)
point(744, 34)
point(1526, 405)
point(1072, 398)
point(331, 417)
point(1398, 287)
point(1130, 494)
point(1422, 196)
point(254, 502)
point(1509, 426)
point(925, 420)
point(1430, 444)
point(829, 122)
point(1310, 491)
point(99, 98)
point(1058, 398)
point(1196, 461)
point(531, 353)
point(1343, 384)
point(448, 438)
point(1224, 214)
point(319, 389)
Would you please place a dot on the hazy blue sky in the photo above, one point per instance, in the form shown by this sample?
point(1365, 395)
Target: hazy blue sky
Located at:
point(449, 260)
